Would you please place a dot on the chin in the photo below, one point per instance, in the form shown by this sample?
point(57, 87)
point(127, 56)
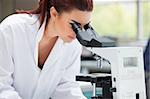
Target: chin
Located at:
point(68, 41)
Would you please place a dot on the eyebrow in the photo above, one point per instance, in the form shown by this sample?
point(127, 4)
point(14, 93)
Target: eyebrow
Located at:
point(76, 22)
point(80, 23)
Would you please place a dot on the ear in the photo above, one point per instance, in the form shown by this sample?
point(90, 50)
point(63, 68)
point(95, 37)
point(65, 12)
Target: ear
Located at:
point(53, 12)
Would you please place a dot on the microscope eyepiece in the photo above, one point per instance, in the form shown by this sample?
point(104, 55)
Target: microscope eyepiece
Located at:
point(76, 27)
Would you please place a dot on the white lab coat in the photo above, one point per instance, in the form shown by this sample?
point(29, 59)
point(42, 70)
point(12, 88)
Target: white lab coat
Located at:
point(21, 78)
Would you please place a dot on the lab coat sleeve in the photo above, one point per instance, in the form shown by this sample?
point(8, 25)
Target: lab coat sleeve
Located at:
point(6, 65)
point(68, 88)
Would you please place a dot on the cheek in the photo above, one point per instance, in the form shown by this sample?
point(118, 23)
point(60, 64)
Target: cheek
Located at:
point(65, 29)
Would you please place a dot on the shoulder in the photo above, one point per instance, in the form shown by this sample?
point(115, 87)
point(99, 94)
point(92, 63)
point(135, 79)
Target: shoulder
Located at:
point(18, 19)
point(18, 27)
point(19, 24)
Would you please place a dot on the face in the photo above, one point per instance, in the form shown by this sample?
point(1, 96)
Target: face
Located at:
point(62, 25)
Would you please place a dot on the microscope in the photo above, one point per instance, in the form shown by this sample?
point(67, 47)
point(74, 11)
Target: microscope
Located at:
point(126, 78)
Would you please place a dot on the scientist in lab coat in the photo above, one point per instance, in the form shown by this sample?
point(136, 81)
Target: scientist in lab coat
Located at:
point(39, 52)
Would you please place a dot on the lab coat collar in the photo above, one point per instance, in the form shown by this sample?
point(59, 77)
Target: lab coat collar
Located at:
point(48, 72)
point(51, 64)
point(39, 36)
point(55, 53)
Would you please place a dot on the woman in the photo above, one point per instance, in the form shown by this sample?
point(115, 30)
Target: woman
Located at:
point(39, 52)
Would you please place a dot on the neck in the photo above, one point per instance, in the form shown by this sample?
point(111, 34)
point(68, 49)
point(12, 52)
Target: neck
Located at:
point(50, 31)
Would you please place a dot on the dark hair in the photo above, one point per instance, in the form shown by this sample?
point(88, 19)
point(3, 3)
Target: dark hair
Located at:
point(61, 6)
